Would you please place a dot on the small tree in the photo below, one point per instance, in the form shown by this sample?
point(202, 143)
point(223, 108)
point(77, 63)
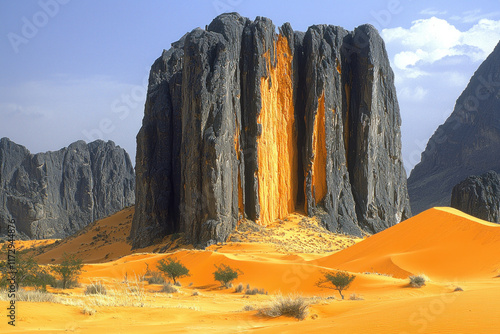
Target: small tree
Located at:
point(225, 274)
point(340, 280)
point(69, 269)
point(27, 273)
point(173, 269)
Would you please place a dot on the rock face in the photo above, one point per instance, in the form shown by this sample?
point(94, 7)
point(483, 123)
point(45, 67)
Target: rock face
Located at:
point(479, 196)
point(54, 194)
point(466, 144)
point(241, 121)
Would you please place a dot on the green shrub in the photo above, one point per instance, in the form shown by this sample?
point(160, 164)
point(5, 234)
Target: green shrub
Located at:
point(225, 274)
point(69, 270)
point(173, 269)
point(339, 281)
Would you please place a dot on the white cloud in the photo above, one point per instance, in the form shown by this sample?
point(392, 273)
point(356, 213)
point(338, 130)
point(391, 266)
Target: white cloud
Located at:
point(430, 40)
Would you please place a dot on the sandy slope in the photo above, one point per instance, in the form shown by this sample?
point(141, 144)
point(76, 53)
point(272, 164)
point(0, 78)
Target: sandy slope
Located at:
point(442, 243)
point(453, 249)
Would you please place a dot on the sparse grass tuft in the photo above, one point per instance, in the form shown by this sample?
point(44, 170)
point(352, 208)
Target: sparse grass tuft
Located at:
point(290, 306)
point(33, 296)
point(87, 310)
point(239, 288)
point(355, 296)
point(458, 289)
point(417, 281)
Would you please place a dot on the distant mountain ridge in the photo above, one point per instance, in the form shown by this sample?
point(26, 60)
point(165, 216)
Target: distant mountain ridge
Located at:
point(468, 143)
point(54, 194)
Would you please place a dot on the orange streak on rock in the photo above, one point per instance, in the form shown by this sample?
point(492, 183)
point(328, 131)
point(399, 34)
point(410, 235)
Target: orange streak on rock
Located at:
point(237, 149)
point(346, 121)
point(277, 145)
point(319, 149)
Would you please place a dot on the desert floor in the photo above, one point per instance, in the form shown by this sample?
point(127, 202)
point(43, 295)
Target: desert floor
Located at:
point(452, 249)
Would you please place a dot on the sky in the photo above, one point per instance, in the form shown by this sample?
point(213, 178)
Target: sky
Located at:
point(74, 69)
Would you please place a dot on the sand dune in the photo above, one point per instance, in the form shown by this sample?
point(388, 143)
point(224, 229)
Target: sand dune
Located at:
point(442, 243)
point(452, 248)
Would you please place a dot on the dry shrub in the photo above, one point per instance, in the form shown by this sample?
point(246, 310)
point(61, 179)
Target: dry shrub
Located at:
point(417, 281)
point(96, 289)
point(290, 306)
point(168, 288)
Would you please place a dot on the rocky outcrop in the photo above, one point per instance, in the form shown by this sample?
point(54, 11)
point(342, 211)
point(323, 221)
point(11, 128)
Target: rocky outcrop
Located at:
point(241, 121)
point(54, 194)
point(466, 144)
point(479, 196)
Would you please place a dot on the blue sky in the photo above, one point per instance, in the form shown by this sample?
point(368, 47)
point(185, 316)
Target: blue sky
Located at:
point(73, 69)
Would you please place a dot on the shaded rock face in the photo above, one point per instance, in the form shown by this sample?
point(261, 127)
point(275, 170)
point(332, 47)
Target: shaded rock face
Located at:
point(466, 144)
point(54, 194)
point(242, 121)
point(479, 196)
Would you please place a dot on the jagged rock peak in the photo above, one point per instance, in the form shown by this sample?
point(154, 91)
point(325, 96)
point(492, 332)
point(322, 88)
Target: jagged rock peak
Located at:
point(479, 196)
point(54, 194)
point(466, 144)
point(242, 121)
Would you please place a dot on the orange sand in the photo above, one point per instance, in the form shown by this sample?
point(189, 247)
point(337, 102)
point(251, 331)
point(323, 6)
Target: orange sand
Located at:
point(453, 249)
point(442, 243)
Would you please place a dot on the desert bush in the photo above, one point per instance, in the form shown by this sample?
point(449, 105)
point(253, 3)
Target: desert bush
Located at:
point(458, 289)
point(155, 277)
point(339, 281)
point(248, 308)
point(417, 281)
point(239, 288)
point(69, 270)
point(168, 288)
point(255, 291)
point(290, 306)
point(173, 269)
point(96, 289)
point(178, 284)
point(225, 274)
point(195, 293)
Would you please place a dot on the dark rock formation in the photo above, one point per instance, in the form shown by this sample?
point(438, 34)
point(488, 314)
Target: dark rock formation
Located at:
point(243, 122)
point(468, 143)
point(54, 194)
point(479, 196)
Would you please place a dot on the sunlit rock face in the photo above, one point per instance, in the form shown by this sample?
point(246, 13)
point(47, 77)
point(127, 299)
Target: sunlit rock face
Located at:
point(242, 120)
